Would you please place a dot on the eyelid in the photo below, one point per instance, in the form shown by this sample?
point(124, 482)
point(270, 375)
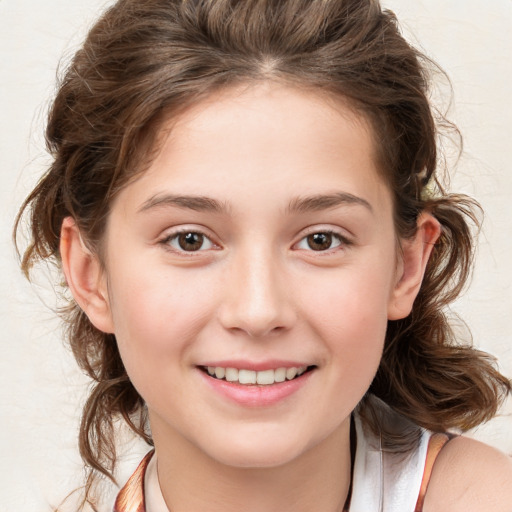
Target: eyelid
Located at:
point(173, 233)
point(345, 240)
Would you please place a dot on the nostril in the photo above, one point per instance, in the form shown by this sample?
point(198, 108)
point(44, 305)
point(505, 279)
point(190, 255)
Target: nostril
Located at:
point(255, 299)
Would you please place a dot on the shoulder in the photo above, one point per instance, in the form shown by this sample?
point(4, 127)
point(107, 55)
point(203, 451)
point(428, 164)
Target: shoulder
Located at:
point(469, 476)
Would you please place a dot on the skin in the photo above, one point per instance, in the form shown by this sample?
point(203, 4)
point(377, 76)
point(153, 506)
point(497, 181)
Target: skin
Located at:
point(470, 476)
point(255, 291)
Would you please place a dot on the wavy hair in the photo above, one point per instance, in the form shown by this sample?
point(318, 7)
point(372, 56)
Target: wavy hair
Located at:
point(145, 61)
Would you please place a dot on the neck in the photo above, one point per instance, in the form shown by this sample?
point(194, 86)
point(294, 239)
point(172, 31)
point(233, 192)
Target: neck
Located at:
point(318, 479)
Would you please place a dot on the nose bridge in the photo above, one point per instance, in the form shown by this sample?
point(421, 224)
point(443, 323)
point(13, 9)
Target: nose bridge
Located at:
point(256, 301)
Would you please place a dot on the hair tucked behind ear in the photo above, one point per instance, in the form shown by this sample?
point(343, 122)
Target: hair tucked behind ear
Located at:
point(426, 373)
point(144, 61)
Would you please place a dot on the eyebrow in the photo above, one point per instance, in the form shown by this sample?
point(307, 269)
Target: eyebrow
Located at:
point(197, 203)
point(297, 205)
point(325, 202)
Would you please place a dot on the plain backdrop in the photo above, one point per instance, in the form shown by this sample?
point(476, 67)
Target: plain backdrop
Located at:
point(41, 389)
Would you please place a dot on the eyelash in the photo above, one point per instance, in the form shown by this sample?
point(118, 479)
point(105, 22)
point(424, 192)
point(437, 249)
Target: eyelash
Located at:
point(167, 242)
point(342, 241)
point(174, 238)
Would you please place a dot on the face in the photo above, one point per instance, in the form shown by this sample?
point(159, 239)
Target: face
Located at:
point(251, 272)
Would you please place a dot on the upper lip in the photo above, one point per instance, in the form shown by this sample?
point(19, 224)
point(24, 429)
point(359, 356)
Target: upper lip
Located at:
point(257, 366)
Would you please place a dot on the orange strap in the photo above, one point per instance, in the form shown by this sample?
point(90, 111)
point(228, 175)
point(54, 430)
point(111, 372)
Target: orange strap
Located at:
point(131, 497)
point(435, 445)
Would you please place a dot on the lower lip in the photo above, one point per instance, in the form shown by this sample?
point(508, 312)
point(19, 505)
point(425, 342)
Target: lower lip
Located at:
point(255, 395)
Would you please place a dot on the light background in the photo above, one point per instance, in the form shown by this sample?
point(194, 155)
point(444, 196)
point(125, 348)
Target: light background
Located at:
point(39, 383)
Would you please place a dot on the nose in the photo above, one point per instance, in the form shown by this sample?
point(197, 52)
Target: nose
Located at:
point(257, 300)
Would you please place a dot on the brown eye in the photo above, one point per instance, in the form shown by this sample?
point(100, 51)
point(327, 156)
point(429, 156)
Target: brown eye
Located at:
point(319, 241)
point(190, 241)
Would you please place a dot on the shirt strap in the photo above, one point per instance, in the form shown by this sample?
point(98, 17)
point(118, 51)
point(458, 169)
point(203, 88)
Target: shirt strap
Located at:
point(435, 445)
point(131, 497)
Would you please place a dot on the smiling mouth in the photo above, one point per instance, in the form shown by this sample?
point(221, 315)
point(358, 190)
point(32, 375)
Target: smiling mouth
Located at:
point(251, 377)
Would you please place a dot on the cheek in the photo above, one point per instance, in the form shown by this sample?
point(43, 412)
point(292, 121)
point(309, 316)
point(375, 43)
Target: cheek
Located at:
point(348, 300)
point(156, 318)
point(156, 299)
point(348, 311)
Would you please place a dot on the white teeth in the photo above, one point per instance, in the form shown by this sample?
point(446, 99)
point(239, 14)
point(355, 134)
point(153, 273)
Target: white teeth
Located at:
point(231, 374)
point(246, 377)
point(280, 375)
point(263, 378)
point(290, 373)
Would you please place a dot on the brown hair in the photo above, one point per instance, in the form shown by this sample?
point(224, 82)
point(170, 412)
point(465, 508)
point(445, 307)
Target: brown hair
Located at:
point(145, 60)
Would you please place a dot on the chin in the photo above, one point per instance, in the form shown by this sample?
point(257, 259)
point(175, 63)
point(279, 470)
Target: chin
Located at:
point(258, 452)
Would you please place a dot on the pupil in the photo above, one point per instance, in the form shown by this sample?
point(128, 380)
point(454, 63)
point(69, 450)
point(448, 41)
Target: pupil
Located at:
point(190, 241)
point(320, 241)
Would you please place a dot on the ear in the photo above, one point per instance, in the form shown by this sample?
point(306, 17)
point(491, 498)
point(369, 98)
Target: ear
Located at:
point(413, 261)
point(85, 277)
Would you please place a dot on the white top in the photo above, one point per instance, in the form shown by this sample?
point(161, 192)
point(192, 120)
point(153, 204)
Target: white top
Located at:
point(383, 481)
point(386, 481)
point(154, 498)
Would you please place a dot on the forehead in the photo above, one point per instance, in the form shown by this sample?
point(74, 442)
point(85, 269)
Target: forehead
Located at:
point(266, 136)
point(287, 114)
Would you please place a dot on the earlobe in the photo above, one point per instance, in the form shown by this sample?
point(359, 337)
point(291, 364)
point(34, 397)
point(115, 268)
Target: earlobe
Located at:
point(85, 277)
point(414, 258)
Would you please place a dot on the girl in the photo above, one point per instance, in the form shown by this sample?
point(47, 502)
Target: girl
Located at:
point(244, 203)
